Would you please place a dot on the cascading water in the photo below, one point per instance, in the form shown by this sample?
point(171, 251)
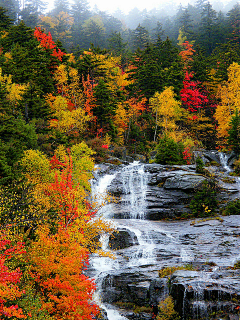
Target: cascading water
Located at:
point(134, 181)
point(224, 164)
point(224, 161)
point(158, 244)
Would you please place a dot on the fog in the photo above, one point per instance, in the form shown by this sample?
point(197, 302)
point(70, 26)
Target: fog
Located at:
point(169, 6)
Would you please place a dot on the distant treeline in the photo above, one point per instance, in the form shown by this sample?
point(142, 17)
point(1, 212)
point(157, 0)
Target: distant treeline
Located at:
point(78, 27)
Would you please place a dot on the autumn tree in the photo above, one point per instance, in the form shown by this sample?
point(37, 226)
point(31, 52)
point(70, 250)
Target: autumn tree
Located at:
point(10, 291)
point(229, 97)
point(167, 110)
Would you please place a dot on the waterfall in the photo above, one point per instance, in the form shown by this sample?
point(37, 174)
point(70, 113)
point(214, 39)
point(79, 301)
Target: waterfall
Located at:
point(224, 161)
point(156, 245)
point(134, 181)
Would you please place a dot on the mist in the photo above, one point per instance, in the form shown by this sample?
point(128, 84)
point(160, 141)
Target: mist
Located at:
point(169, 7)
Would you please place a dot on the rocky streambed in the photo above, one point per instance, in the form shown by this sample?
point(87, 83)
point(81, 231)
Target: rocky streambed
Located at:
point(129, 287)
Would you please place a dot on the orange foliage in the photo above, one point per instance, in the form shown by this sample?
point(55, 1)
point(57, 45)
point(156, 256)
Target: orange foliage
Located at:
point(88, 93)
point(187, 53)
point(57, 264)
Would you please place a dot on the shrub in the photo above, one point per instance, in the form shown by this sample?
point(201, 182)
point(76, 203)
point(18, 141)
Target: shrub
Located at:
point(166, 310)
point(199, 165)
point(204, 202)
point(169, 152)
point(237, 167)
point(232, 208)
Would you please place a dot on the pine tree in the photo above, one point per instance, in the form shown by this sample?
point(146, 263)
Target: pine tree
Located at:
point(12, 7)
point(140, 38)
point(116, 44)
point(5, 21)
point(207, 37)
point(186, 25)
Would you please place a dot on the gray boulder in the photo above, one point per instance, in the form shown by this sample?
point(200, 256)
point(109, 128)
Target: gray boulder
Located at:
point(186, 181)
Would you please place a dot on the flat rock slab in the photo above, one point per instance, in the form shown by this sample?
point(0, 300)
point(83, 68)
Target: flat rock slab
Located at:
point(186, 181)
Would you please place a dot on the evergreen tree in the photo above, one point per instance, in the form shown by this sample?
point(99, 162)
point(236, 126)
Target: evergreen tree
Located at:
point(39, 5)
point(140, 38)
point(80, 11)
point(60, 6)
point(207, 36)
point(158, 32)
point(186, 25)
point(30, 16)
point(234, 133)
point(12, 7)
point(156, 67)
point(116, 44)
point(5, 21)
point(234, 23)
point(105, 106)
point(94, 32)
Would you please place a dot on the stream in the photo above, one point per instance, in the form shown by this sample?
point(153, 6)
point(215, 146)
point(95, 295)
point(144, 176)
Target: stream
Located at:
point(142, 247)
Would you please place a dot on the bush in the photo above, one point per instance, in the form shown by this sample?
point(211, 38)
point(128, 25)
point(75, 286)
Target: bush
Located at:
point(237, 167)
point(166, 310)
point(233, 208)
point(204, 202)
point(169, 152)
point(199, 165)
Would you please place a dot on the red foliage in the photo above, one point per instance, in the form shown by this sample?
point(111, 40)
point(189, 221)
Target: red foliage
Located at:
point(193, 118)
point(47, 42)
point(56, 164)
point(9, 279)
point(63, 192)
point(105, 146)
point(191, 95)
point(187, 155)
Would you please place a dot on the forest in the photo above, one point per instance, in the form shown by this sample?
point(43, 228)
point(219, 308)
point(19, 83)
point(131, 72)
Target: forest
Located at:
point(77, 87)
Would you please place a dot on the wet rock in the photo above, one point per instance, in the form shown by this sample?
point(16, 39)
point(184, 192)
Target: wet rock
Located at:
point(122, 239)
point(186, 182)
point(200, 296)
point(157, 292)
point(102, 315)
point(116, 187)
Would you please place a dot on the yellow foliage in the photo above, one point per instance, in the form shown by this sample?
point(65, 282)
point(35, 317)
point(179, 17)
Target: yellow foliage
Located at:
point(63, 21)
point(166, 310)
point(15, 91)
point(65, 120)
point(166, 108)
point(8, 56)
point(230, 101)
point(121, 122)
point(107, 140)
point(71, 58)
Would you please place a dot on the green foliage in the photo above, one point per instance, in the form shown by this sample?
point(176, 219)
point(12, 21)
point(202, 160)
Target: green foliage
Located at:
point(232, 208)
point(18, 206)
point(16, 136)
point(168, 271)
point(5, 21)
point(100, 153)
point(32, 304)
point(199, 165)
point(237, 265)
point(204, 202)
point(237, 167)
point(169, 151)
point(234, 132)
point(166, 310)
